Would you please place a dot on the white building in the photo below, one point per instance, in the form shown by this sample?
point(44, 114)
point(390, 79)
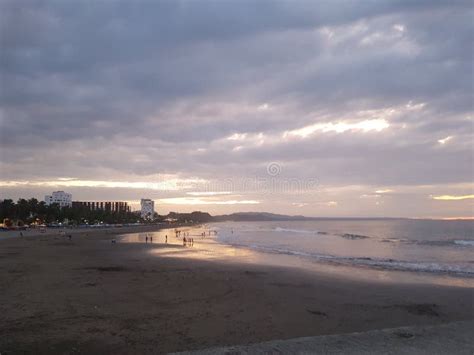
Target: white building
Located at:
point(63, 199)
point(147, 208)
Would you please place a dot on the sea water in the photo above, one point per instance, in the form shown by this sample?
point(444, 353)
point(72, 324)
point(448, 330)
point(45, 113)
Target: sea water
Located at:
point(431, 246)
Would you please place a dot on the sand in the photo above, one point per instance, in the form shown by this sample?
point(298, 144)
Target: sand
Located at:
point(448, 338)
point(87, 295)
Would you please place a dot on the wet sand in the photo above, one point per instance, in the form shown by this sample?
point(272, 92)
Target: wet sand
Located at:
point(88, 295)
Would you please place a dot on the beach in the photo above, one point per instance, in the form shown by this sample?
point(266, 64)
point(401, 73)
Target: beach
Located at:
point(89, 295)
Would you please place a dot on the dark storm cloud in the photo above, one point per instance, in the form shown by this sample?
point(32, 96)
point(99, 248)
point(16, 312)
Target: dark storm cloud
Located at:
point(111, 90)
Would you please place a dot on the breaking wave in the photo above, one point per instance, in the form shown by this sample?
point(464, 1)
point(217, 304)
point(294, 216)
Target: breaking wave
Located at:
point(465, 242)
point(379, 263)
point(287, 230)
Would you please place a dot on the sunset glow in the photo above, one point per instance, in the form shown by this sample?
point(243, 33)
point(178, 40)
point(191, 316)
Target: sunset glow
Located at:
point(341, 104)
point(453, 198)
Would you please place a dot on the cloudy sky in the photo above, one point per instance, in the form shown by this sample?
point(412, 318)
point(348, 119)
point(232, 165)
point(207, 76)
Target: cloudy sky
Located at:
point(321, 108)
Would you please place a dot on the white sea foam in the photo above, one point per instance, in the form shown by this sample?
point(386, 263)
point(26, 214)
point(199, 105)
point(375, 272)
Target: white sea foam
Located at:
point(288, 230)
point(390, 264)
point(399, 245)
point(465, 242)
point(277, 229)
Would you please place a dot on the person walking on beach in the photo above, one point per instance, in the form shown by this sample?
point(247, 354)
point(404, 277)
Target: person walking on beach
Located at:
point(151, 240)
point(184, 241)
point(146, 238)
point(166, 239)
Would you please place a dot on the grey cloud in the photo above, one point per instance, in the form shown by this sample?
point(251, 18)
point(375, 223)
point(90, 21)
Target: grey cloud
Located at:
point(104, 90)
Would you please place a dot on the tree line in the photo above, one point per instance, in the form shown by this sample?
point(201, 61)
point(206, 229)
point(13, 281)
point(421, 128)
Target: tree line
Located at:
point(34, 211)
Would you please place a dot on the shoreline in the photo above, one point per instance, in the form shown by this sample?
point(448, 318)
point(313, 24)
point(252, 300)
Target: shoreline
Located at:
point(93, 296)
point(211, 248)
point(48, 232)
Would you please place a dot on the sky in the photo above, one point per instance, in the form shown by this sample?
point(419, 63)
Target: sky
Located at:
point(316, 108)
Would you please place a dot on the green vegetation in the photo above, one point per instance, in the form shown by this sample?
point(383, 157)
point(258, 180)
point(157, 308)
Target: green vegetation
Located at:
point(31, 211)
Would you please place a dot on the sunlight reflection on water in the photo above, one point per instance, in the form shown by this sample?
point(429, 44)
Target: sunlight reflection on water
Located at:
point(207, 248)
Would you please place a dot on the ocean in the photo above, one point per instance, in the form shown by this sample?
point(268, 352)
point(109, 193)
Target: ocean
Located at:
point(430, 246)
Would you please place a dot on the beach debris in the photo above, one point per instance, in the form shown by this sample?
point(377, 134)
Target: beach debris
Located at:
point(317, 313)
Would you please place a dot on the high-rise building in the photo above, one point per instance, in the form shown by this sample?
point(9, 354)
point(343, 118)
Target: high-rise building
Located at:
point(147, 208)
point(110, 206)
point(63, 199)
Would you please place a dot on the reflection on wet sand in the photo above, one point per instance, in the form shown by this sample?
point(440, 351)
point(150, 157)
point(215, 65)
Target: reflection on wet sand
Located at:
point(134, 297)
point(206, 247)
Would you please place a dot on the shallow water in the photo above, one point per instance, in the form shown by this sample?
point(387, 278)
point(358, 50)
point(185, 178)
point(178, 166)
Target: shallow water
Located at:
point(430, 246)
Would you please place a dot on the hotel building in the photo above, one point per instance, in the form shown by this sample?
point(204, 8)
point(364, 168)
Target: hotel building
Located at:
point(111, 206)
point(147, 208)
point(63, 199)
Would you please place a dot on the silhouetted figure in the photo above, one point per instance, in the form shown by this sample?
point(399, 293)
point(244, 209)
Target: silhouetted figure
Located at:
point(166, 239)
point(184, 241)
point(151, 240)
point(146, 239)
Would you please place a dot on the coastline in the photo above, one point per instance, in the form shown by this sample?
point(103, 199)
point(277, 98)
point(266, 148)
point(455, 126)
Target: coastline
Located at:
point(88, 295)
point(100, 231)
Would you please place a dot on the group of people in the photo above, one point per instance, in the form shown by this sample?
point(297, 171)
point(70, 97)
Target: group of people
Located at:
point(178, 233)
point(189, 242)
point(186, 241)
point(150, 238)
point(203, 234)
